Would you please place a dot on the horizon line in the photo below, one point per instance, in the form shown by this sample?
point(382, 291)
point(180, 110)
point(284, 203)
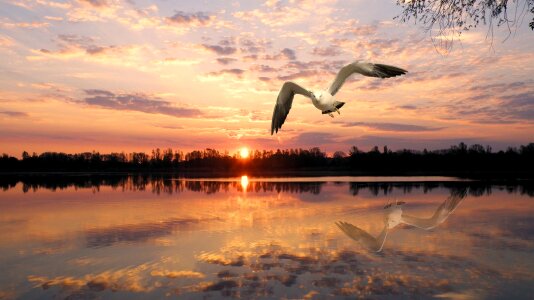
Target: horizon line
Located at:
point(381, 149)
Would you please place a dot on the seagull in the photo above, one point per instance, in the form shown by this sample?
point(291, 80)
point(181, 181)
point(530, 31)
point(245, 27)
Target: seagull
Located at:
point(363, 237)
point(440, 215)
point(393, 216)
point(324, 100)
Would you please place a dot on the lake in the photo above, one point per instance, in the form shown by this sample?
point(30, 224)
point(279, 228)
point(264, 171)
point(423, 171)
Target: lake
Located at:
point(154, 237)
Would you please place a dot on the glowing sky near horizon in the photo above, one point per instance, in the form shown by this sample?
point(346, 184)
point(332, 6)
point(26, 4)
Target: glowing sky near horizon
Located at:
point(111, 75)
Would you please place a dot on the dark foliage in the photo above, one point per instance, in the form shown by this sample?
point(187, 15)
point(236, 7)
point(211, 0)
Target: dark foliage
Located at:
point(457, 160)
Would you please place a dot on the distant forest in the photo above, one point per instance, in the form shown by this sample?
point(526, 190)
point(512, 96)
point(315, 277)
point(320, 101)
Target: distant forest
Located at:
point(460, 159)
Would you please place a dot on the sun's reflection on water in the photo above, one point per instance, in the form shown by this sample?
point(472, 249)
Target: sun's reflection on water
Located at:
point(247, 237)
point(244, 182)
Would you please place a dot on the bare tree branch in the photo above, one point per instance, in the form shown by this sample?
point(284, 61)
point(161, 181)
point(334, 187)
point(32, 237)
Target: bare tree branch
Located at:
point(447, 19)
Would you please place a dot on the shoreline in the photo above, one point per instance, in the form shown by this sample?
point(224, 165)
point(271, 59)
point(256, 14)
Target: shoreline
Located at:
point(205, 174)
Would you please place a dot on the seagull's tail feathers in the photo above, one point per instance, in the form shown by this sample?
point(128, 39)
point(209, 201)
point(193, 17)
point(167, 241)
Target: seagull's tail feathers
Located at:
point(338, 104)
point(386, 71)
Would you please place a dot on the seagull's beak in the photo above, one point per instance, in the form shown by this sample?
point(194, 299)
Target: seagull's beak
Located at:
point(338, 112)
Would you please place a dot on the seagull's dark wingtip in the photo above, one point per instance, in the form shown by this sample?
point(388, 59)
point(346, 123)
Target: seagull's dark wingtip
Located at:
point(387, 71)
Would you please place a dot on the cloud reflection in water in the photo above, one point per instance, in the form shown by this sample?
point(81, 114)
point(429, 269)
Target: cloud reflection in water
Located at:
point(157, 237)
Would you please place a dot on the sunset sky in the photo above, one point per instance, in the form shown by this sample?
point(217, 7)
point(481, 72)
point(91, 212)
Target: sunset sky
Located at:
point(134, 75)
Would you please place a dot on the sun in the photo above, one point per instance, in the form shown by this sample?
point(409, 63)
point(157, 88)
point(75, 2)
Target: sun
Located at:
point(244, 153)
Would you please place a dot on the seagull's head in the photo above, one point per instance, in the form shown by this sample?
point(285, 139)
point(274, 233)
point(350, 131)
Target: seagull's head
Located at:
point(313, 96)
point(393, 214)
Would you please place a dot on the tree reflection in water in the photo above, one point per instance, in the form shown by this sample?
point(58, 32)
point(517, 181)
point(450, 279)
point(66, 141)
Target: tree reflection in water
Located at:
point(167, 184)
point(155, 236)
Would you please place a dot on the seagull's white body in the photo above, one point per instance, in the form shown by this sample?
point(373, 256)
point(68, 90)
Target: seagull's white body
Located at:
point(324, 100)
point(393, 216)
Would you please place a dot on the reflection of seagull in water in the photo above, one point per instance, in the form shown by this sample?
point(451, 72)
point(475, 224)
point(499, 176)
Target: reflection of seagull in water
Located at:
point(393, 216)
point(324, 100)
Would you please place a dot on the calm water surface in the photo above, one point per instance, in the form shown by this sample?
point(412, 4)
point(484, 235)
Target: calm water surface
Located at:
point(155, 237)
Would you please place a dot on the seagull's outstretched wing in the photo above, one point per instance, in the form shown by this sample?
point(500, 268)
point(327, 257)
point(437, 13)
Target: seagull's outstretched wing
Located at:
point(364, 238)
point(283, 103)
point(366, 69)
point(442, 213)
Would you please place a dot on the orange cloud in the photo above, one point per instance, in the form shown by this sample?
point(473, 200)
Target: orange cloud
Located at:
point(8, 24)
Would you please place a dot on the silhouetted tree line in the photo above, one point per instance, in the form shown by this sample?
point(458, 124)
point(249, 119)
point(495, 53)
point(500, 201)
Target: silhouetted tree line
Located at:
point(460, 159)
